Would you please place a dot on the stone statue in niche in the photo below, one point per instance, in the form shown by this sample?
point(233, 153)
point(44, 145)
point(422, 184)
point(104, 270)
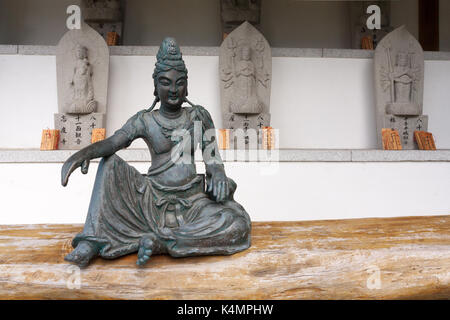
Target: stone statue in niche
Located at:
point(245, 65)
point(235, 12)
point(105, 16)
point(399, 66)
point(81, 88)
point(401, 80)
point(168, 210)
point(82, 66)
point(358, 20)
point(241, 76)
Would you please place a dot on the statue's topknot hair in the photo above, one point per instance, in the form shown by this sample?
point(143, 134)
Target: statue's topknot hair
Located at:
point(169, 57)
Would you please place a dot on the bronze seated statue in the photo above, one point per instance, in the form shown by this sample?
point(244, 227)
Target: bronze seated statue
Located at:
point(167, 210)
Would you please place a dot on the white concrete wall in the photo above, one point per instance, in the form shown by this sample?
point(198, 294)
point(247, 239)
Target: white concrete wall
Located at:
point(335, 110)
point(316, 102)
point(297, 191)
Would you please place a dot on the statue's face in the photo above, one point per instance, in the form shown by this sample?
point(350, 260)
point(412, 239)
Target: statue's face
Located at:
point(171, 88)
point(246, 53)
point(81, 52)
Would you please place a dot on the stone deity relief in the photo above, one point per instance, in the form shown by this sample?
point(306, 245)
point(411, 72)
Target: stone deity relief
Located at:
point(401, 79)
point(81, 96)
point(82, 67)
point(242, 75)
point(399, 83)
point(245, 67)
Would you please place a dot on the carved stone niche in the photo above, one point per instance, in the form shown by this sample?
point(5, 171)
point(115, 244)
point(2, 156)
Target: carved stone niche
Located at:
point(245, 67)
point(102, 10)
point(358, 20)
point(82, 67)
point(399, 83)
point(104, 16)
point(235, 12)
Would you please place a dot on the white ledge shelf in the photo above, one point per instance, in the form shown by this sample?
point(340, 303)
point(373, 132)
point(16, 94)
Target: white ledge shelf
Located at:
point(214, 51)
point(283, 155)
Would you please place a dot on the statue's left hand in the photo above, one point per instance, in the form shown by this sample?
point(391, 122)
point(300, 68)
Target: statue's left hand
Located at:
point(219, 186)
point(71, 164)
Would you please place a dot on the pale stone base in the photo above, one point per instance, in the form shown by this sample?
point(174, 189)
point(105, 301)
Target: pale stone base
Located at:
point(406, 127)
point(247, 121)
point(75, 131)
point(404, 109)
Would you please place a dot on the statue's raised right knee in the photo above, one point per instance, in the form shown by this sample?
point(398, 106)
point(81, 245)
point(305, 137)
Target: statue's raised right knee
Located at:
point(239, 229)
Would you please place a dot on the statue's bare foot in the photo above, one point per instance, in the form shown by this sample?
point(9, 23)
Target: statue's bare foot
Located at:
point(146, 247)
point(82, 254)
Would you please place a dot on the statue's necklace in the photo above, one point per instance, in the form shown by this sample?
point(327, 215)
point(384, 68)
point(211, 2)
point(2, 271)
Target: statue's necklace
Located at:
point(169, 125)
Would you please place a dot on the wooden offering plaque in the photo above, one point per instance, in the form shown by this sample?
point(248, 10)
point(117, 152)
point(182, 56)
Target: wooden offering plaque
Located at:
point(424, 140)
point(112, 38)
point(367, 43)
point(50, 139)
point(98, 134)
point(268, 138)
point(391, 139)
point(224, 139)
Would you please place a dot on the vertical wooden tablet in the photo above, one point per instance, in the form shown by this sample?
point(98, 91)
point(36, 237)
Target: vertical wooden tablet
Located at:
point(391, 139)
point(98, 134)
point(112, 38)
point(367, 43)
point(425, 140)
point(224, 139)
point(268, 138)
point(50, 139)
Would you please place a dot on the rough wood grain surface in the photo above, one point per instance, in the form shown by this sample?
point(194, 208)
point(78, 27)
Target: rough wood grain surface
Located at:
point(394, 258)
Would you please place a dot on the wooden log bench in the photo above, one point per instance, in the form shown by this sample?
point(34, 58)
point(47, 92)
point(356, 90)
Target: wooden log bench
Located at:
point(392, 258)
